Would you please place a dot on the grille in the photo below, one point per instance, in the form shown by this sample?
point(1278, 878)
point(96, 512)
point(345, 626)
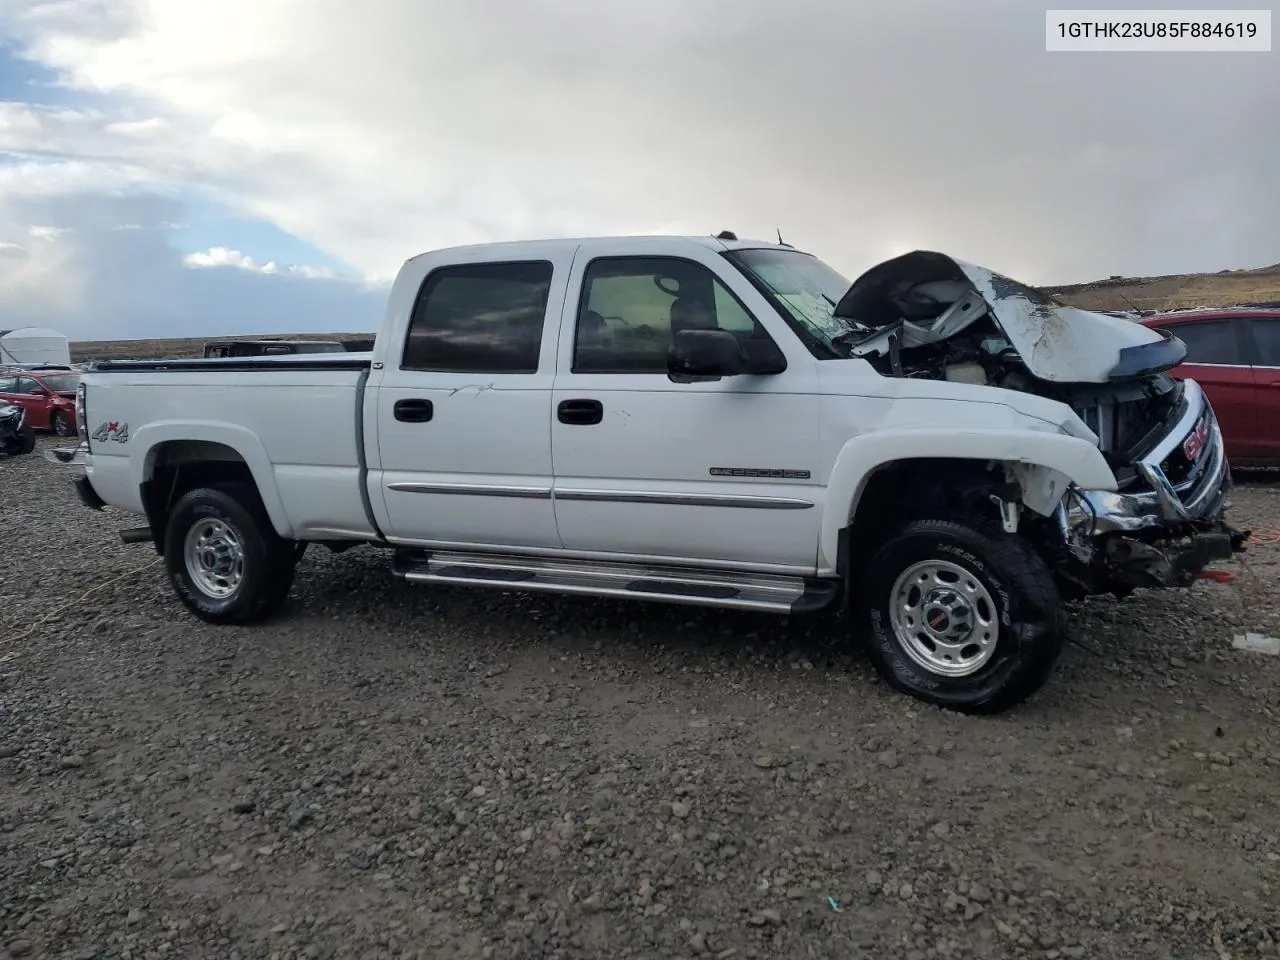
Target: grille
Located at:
point(1202, 484)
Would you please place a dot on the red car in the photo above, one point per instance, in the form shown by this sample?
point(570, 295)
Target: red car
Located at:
point(1235, 355)
point(49, 397)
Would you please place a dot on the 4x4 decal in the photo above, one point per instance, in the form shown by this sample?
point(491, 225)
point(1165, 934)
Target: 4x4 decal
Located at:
point(111, 430)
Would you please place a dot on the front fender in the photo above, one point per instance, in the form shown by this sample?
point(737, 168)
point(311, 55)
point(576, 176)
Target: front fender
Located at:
point(241, 440)
point(1044, 464)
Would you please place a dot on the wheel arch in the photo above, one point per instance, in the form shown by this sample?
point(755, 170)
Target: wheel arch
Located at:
point(176, 458)
point(873, 474)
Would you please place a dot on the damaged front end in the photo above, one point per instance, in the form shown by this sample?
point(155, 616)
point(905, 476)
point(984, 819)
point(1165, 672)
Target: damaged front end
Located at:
point(927, 316)
point(1167, 523)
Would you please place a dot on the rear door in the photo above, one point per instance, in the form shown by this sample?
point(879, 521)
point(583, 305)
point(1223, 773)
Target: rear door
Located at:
point(1264, 341)
point(1217, 359)
point(464, 405)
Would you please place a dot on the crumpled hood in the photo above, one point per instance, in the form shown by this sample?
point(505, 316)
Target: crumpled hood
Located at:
point(1057, 343)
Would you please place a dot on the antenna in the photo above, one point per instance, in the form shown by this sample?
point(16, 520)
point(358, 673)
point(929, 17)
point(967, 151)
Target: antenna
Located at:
point(781, 242)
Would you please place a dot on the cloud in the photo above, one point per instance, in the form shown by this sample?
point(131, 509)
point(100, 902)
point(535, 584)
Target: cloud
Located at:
point(91, 280)
point(378, 130)
point(223, 257)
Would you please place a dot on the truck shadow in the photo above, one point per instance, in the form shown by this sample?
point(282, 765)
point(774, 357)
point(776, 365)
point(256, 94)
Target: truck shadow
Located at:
point(1126, 645)
point(359, 585)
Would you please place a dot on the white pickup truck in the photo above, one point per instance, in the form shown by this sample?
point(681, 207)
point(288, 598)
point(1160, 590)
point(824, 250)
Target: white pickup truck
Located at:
point(695, 420)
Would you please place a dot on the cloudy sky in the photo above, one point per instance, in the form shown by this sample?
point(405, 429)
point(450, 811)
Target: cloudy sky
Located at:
point(174, 167)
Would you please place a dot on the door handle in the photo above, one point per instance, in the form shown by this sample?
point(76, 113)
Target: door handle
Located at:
point(413, 411)
point(580, 412)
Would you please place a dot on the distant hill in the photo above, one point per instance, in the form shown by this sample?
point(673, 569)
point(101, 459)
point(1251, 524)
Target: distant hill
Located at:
point(1226, 288)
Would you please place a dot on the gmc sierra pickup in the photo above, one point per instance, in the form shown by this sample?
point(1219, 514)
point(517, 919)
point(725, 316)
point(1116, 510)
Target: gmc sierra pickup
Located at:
point(695, 420)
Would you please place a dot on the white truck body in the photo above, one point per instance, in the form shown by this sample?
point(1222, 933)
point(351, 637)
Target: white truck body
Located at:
point(738, 490)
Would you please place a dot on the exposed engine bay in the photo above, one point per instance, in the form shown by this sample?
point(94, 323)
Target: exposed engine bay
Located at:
point(945, 330)
point(1128, 416)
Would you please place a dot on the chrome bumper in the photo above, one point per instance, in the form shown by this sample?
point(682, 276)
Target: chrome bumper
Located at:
point(1200, 498)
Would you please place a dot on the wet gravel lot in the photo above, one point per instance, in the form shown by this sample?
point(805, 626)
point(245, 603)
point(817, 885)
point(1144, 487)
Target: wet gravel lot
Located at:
point(399, 771)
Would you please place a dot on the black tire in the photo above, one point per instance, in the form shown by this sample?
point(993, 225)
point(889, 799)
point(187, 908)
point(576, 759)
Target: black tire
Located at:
point(267, 560)
point(1029, 630)
point(27, 440)
point(60, 424)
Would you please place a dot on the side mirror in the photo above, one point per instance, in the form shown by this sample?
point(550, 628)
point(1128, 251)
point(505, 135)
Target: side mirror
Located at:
point(706, 353)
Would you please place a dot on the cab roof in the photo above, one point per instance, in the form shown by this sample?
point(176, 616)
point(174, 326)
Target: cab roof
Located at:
point(724, 241)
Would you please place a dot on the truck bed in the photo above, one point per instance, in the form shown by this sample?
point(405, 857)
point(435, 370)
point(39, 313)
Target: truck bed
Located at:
point(297, 421)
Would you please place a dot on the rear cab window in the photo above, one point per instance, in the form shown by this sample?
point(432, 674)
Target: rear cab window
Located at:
point(479, 318)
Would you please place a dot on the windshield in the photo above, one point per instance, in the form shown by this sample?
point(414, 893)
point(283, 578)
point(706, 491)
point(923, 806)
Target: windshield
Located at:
point(805, 287)
point(65, 383)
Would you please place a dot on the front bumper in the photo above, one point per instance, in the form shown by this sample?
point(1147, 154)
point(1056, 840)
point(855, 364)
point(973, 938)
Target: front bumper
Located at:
point(1201, 496)
point(1166, 534)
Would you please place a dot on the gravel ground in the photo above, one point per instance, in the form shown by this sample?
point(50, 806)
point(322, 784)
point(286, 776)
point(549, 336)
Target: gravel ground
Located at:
point(399, 771)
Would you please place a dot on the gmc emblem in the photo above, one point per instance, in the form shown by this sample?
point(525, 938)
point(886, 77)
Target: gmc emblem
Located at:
point(1193, 446)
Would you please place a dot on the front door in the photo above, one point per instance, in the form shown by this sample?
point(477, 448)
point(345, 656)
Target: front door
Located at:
point(463, 452)
point(647, 468)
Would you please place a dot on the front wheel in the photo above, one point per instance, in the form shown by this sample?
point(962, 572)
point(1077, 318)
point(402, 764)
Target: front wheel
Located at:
point(227, 563)
point(60, 423)
point(962, 617)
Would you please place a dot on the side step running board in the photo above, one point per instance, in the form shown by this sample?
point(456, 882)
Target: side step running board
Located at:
point(712, 588)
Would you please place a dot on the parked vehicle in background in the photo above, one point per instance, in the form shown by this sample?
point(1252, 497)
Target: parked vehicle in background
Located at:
point(696, 420)
point(16, 435)
point(270, 348)
point(47, 394)
point(1234, 354)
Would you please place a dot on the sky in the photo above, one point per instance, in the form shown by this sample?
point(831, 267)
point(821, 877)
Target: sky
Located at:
point(183, 168)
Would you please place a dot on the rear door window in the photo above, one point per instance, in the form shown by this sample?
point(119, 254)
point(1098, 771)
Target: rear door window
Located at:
point(1209, 341)
point(480, 318)
point(1266, 335)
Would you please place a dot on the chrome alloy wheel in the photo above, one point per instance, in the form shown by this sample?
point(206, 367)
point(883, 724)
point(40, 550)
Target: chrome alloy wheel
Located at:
point(214, 558)
point(944, 618)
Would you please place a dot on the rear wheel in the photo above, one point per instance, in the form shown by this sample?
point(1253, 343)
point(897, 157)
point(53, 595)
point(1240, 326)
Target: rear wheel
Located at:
point(962, 616)
point(226, 561)
point(27, 439)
